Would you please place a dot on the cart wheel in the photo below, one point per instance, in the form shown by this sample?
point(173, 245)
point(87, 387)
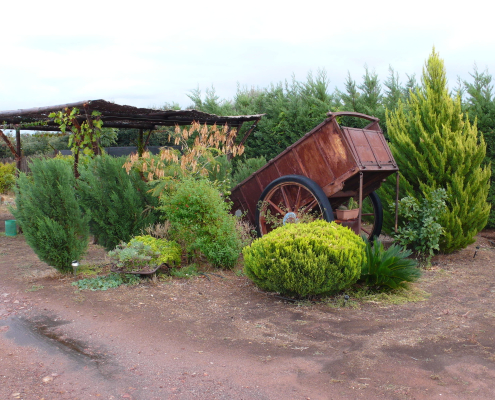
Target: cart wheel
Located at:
point(372, 216)
point(291, 198)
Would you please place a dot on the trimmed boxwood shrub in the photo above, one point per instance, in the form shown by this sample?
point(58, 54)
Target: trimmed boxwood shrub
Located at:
point(301, 260)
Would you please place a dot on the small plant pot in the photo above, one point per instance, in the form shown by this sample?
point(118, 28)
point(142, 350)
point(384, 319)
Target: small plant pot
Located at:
point(343, 215)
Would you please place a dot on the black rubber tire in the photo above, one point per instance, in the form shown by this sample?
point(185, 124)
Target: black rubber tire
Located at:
point(298, 180)
point(378, 212)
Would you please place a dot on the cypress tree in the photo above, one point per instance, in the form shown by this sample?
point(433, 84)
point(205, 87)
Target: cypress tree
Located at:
point(48, 211)
point(118, 204)
point(481, 107)
point(436, 146)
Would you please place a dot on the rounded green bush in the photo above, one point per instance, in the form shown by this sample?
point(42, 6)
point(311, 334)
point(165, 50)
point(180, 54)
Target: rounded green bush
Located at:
point(7, 177)
point(301, 260)
point(200, 221)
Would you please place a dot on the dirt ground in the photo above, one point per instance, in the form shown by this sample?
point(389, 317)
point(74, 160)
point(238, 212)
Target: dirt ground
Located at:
point(217, 336)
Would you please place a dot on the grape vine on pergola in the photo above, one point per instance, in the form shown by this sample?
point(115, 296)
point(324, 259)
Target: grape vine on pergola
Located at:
point(113, 116)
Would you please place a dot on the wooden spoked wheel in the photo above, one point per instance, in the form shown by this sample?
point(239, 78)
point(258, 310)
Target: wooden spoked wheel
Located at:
point(289, 199)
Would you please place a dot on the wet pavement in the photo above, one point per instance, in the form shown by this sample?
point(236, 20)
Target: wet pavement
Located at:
point(42, 333)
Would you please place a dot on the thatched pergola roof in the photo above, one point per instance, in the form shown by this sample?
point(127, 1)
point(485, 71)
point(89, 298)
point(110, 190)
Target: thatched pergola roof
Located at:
point(117, 116)
point(113, 116)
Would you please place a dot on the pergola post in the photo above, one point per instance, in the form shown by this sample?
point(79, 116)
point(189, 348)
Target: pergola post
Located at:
point(18, 159)
point(140, 143)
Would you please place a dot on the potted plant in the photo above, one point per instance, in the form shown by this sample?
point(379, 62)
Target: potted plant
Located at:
point(351, 211)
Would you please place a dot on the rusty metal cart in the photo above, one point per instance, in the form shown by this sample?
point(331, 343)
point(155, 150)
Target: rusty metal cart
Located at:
point(317, 174)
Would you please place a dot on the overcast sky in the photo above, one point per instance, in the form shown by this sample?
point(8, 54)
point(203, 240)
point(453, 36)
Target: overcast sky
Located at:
point(148, 53)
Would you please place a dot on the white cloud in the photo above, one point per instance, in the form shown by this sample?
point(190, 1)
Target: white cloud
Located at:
point(152, 52)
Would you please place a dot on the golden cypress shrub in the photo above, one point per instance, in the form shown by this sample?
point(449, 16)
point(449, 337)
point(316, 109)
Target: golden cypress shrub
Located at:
point(301, 260)
point(436, 147)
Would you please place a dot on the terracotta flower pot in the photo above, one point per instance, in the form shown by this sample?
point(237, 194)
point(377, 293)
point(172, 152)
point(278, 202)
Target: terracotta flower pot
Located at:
point(347, 214)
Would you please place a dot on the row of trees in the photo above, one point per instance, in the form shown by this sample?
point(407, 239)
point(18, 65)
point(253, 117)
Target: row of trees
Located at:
point(432, 130)
point(435, 145)
point(294, 107)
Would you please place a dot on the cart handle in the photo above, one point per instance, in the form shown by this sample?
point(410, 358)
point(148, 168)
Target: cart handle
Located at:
point(352, 114)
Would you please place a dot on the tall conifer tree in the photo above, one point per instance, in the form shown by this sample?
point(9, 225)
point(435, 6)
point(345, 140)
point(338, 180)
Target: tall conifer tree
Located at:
point(436, 146)
point(481, 107)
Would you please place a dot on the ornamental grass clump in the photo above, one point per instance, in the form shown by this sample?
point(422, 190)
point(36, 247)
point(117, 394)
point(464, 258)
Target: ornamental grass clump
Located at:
point(301, 260)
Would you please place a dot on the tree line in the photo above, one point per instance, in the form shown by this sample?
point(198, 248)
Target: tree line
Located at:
point(294, 107)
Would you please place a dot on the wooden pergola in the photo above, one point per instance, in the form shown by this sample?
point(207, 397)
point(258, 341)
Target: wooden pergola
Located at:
point(113, 116)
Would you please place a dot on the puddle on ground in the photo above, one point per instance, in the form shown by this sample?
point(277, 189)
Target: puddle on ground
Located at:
point(42, 332)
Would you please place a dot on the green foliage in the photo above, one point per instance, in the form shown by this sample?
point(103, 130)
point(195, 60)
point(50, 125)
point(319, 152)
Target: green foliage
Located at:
point(129, 137)
point(219, 171)
point(49, 213)
point(108, 137)
point(145, 253)
point(7, 177)
point(435, 146)
point(5, 151)
point(134, 256)
point(419, 229)
point(291, 109)
point(366, 98)
point(85, 136)
point(246, 231)
point(199, 221)
point(246, 167)
point(302, 260)
point(480, 107)
point(169, 252)
point(43, 143)
point(118, 204)
point(106, 282)
point(388, 269)
point(395, 92)
point(185, 272)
